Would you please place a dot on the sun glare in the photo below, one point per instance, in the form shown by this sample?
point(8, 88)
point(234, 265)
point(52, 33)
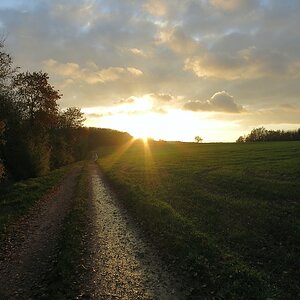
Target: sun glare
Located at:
point(142, 104)
point(143, 135)
point(172, 125)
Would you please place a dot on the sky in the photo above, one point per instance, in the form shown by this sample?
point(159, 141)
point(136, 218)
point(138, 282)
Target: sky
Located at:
point(168, 69)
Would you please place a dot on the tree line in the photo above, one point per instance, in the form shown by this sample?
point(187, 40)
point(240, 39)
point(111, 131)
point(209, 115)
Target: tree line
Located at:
point(261, 134)
point(36, 135)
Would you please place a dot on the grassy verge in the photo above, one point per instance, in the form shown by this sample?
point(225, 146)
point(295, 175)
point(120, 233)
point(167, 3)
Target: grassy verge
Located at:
point(16, 199)
point(226, 214)
point(64, 279)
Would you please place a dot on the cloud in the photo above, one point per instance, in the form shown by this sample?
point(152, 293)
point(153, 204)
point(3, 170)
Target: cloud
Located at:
point(129, 100)
point(65, 70)
point(177, 40)
point(90, 75)
point(248, 63)
point(107, 50)
point(82, 14)
point(274, 116)
point(220, 101)
point(156, 7)
point(289, 107)
point(134, 71)
point(233, 5)
point(163, 97)
point(137, 51)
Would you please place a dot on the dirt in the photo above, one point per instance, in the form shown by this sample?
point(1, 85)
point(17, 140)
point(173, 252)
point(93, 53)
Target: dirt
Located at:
point(119, 262)
point(29, 251)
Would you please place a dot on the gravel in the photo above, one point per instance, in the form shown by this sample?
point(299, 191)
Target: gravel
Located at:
point(121, 264)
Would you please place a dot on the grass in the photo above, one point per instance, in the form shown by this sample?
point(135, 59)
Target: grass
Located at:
point(64, 278)
point(17, 199)
point(226, 214)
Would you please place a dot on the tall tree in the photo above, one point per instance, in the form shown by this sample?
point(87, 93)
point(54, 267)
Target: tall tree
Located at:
point(72, 117)
point(7, 69)
point(37, 98)
point(2, 126)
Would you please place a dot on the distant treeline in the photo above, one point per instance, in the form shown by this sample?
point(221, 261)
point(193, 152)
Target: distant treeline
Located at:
point(261, 134)
point(37, 136)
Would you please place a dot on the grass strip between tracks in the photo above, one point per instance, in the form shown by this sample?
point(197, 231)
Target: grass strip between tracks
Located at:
point(64, 278)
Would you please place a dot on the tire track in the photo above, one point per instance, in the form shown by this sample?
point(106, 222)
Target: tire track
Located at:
point(29, 252)
point(121, 264)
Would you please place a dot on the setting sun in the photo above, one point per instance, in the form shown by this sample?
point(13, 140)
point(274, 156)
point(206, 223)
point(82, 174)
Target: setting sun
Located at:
point(169, 125)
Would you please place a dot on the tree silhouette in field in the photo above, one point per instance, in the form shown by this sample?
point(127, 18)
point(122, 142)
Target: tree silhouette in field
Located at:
point(261, 134)
point(198, 139)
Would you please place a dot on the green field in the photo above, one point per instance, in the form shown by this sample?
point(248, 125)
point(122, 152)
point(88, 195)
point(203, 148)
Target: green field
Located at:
point(224, 215)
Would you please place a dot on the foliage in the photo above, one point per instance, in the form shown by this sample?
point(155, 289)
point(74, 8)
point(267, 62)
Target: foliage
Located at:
point(37, 99)
point(72, 117)
point(106, 137)
point(39, 154)
point(39, 136)
point(261, 134)
point(224, 213)
point(6, 68)
point(198, 139)
point(2, 127)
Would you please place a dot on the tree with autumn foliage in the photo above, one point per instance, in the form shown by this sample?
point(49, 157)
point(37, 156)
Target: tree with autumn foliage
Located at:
point(35, 134)
point(37, 99)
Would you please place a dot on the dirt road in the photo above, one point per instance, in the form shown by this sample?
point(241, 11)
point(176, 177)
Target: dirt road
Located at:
point(28, 254)
point(122, 264)
point(119, 263)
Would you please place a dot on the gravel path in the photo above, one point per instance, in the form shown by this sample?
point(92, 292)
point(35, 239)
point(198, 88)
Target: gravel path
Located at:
point(29, 252)
point(121, 264)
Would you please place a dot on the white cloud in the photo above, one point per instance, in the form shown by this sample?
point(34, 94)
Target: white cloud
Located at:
point(137, 51)
point(92, 74)
point(220, 101)
point(163, 97)
point(135, 71)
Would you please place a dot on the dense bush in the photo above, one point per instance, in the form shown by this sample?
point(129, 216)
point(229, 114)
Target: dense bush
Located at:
point(261, 134)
